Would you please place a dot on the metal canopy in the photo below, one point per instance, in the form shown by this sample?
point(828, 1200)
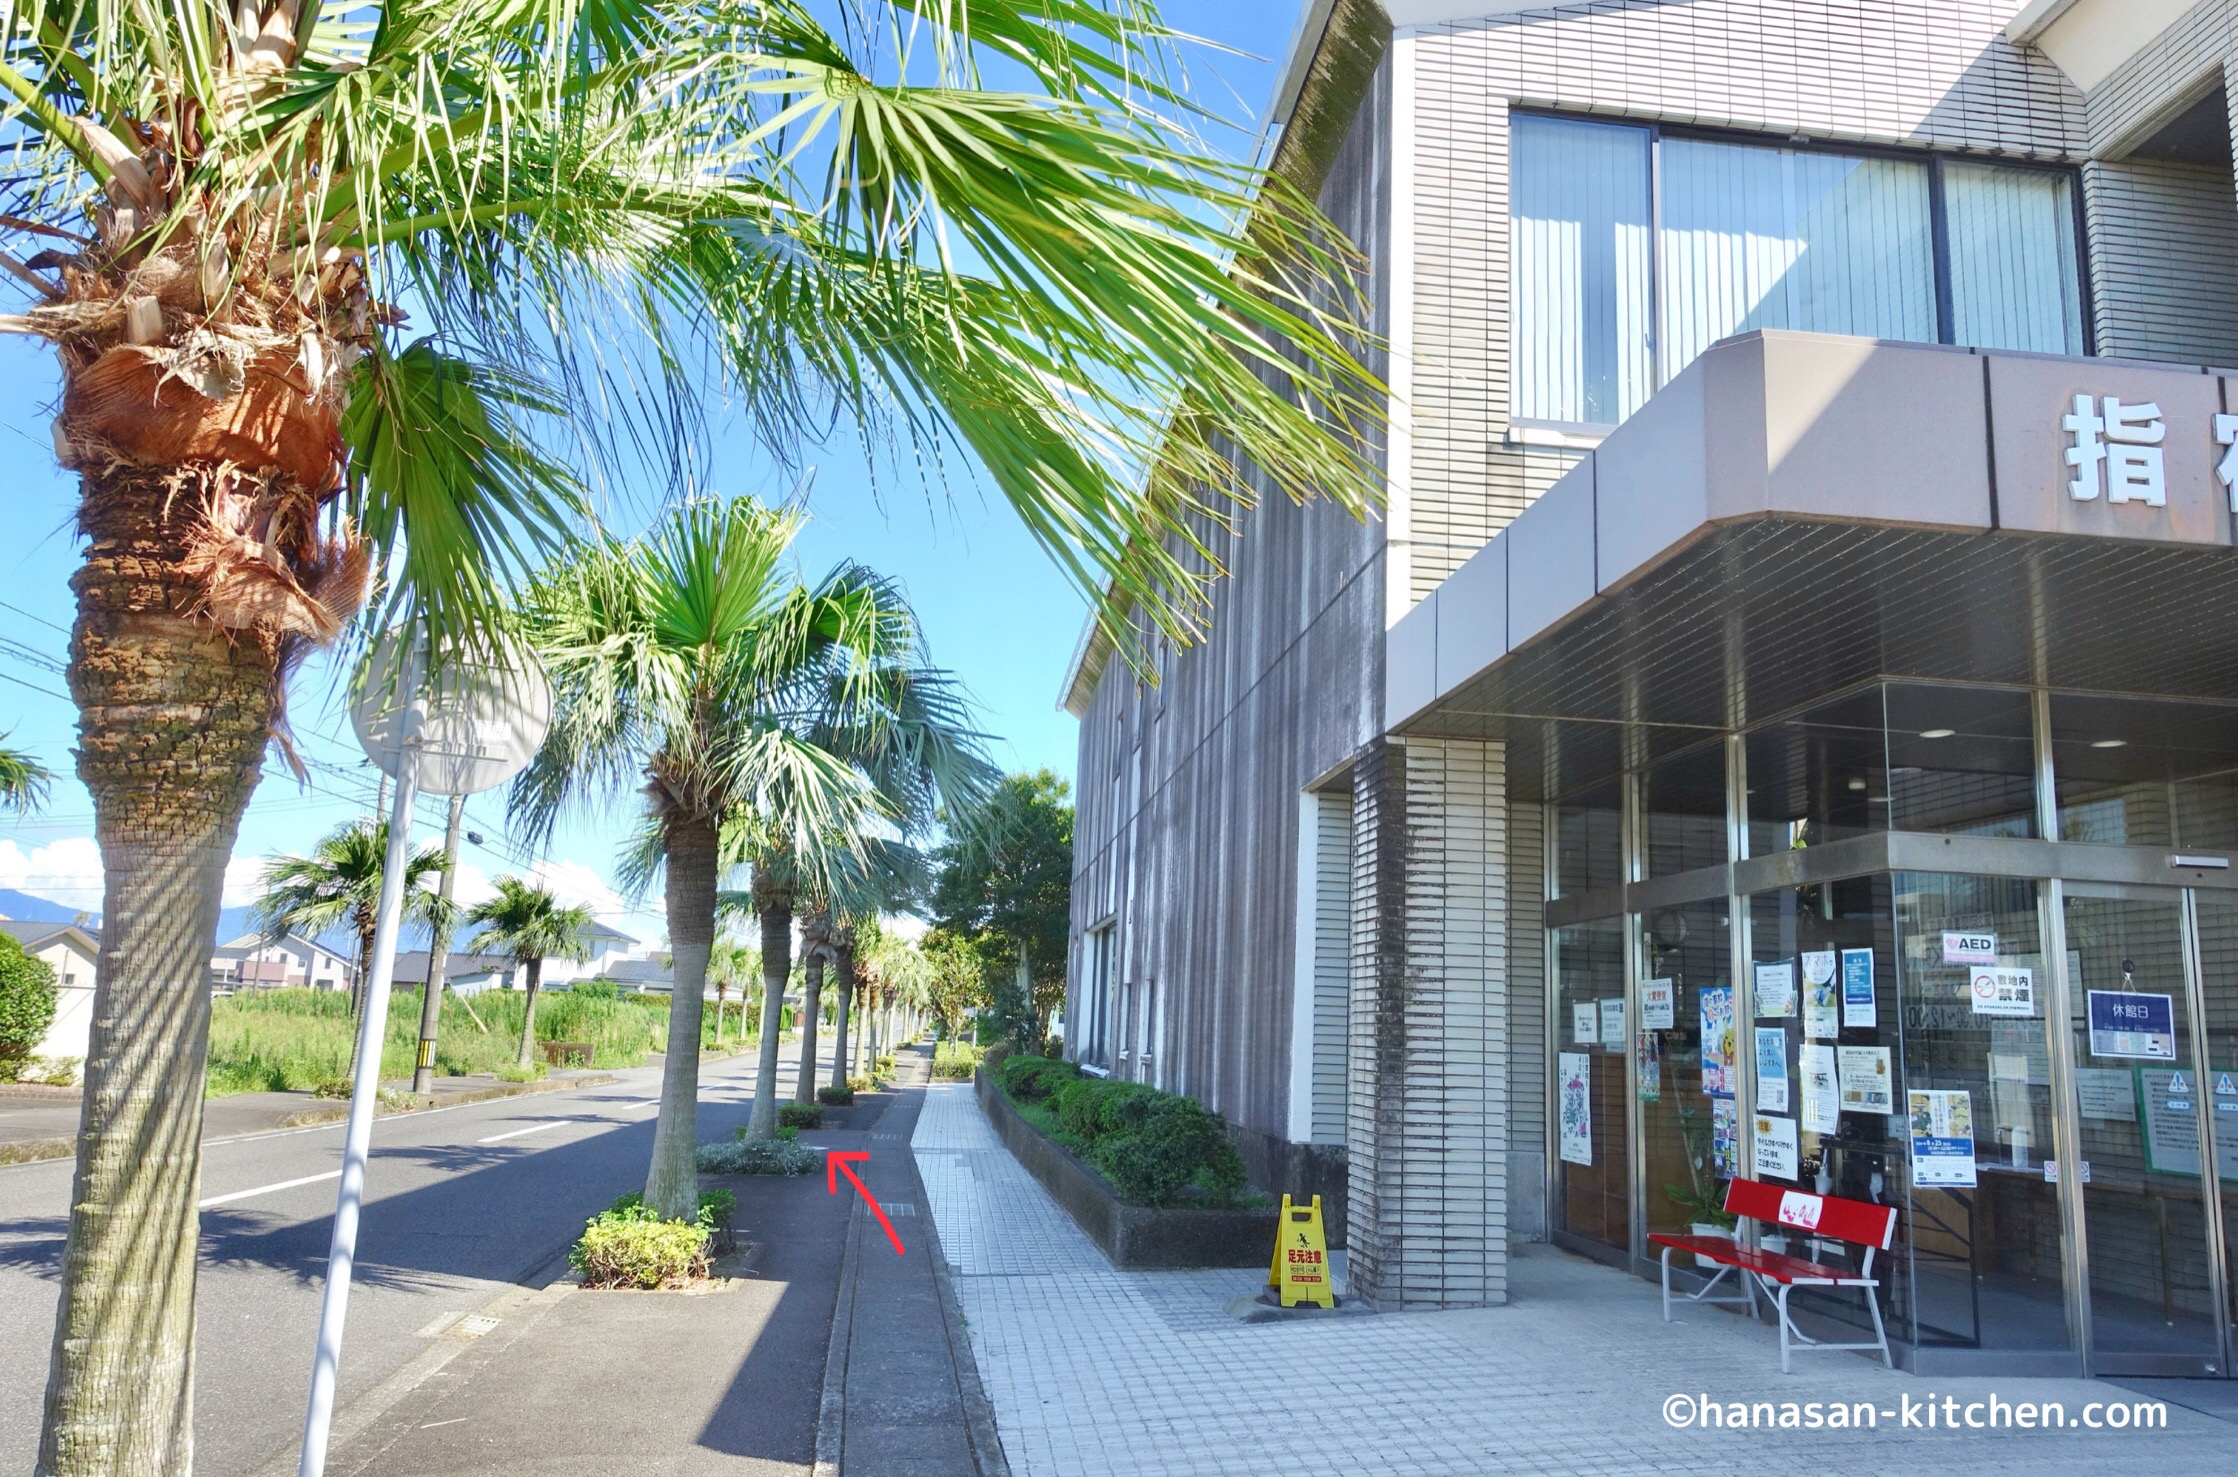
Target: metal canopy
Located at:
point(1758, 618)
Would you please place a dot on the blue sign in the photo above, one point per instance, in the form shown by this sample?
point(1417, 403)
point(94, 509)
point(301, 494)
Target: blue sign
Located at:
point(2125, 1023)
point(1858, 1005)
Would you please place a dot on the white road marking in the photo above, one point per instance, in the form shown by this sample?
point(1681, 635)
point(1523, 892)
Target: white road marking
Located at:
point(309, 1179)
point(499, 1138)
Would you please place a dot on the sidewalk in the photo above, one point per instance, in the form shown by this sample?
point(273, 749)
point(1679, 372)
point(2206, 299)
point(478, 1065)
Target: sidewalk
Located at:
point(823, 1353)
point(1142, 1374)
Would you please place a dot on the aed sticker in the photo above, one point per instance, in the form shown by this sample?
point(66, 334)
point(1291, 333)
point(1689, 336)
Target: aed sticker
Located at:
point(1969, 948)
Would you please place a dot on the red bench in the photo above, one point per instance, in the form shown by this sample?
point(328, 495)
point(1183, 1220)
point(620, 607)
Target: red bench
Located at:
point(1826, 1217)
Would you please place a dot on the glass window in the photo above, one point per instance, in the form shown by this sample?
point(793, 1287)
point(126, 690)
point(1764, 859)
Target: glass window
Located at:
point(1688, 1122)
point(1630, 255)
point(1592, 1200)
point(1819, 776)
point(2140, 773)
point(1589, 840)
point(1985, 1248)
point(1579, 233)
point(2015, 282)
point(1821, 981)
point(1759, 237)
point(1961, 760)
point(2218, 957)
point(1685, 803)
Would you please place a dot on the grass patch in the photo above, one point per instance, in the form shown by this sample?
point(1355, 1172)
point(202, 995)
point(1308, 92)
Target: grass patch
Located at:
point(293, 1040)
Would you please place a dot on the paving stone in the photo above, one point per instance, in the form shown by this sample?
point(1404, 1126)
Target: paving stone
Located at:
point(1142, 1374)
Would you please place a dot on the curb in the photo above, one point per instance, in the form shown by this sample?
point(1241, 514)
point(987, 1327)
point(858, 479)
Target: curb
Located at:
point(32, 1151)
point(313, 1117)
point(831, 1409)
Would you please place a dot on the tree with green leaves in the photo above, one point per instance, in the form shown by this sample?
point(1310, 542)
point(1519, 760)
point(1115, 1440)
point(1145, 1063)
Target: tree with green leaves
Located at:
point(526, 921)
point(340, 883)
point(730, 964)
point(27, 1001)
point(224, 212)
point(1005, 884)
point(955, 980)
point(24, 781)
point(761, 718)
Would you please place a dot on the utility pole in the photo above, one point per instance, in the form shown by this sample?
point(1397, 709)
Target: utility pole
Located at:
point(438, 955)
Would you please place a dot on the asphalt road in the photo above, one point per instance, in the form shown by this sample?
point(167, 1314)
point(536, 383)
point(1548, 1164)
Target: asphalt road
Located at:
point(460, 1203)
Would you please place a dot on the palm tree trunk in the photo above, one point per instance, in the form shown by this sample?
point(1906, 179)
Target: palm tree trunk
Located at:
point(528, 1016)
point(672, 1185)
point(777, 966)
point(843, 983)
point(174, 714)
point(364, 969)
point(722, 994)
point(811, 1005)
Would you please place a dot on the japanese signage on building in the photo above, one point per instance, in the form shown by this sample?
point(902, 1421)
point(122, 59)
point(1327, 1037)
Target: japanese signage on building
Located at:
point(2118, 451)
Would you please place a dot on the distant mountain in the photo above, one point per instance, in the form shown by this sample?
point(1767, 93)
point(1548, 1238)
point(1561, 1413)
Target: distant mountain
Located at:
point(37, 909)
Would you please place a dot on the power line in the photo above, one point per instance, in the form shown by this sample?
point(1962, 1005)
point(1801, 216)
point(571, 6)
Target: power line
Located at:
point(27, 615)
point(35, 687)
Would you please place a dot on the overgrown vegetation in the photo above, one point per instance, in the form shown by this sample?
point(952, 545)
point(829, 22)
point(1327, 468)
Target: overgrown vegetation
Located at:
point(628, 1245)
point(291, 1040)
point(799, 1115)
point(743, 1155)
point(835, 1097)
point(1153, 1146)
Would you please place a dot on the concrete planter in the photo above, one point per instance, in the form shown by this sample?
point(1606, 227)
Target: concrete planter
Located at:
point(1132, 1236)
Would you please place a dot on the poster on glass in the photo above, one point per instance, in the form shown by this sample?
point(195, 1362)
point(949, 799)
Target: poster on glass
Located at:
point(1575, 1072)
point(1942, 1139)
point(1717, 1041)
point(1771, 1069)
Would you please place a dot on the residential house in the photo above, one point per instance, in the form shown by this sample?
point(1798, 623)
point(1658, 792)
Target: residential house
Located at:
point(297, 960)
point(72, 952)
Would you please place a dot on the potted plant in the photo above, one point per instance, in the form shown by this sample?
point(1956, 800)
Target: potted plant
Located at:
point(1701, 1197)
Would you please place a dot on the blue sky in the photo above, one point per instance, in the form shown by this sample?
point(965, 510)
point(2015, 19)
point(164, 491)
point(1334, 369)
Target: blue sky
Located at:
point(994, 608)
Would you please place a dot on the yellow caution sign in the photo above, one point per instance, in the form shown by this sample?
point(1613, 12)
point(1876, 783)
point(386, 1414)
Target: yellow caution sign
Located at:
point(1301, 1257)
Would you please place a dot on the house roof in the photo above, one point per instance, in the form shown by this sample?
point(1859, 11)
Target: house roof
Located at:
point(411, 966)
point(34, 935)
point(296, 942)
point(641, 972)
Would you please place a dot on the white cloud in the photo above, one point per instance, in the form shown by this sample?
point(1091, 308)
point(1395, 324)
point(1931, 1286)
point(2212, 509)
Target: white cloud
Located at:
point(66, 872)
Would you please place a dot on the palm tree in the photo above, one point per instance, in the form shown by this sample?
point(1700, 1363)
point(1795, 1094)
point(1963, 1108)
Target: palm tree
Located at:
point(729, 963)
point(24, 781)
point(688, 662)
point(527, 922)
point(228, 204)
point(340, 883)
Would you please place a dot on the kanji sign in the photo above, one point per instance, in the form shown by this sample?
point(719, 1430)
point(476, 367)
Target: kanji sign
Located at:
point(1301, 1257)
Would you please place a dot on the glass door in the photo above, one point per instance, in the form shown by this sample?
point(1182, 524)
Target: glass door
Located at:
point(2151, 1283)
point(2217, 915)
point(1592, 1198)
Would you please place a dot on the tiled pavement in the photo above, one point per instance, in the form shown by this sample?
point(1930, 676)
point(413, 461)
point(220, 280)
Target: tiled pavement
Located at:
point(1141, 1374)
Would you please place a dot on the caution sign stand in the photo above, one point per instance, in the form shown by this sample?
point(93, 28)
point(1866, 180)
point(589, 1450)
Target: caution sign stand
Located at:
point(1301, 1257)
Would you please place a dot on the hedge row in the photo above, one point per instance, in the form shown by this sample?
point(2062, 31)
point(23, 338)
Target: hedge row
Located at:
point(1149, 1144)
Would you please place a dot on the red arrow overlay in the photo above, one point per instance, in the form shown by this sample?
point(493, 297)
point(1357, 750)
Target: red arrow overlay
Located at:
point(835, 1165)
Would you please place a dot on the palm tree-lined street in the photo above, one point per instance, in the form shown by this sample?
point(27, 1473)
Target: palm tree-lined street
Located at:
point(460, 1204)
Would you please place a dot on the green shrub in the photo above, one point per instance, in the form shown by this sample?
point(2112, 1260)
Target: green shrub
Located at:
point(835, 1097)
point(595, 990)
point(1171, 1142)
point(955, 1061)
point(862, 1084)
point(1030, 1079)
point(1090, 1107)
point(994, 1054)
point(799, 1115)
point(630, 1246)
point(27, 998)
point(758, 1156)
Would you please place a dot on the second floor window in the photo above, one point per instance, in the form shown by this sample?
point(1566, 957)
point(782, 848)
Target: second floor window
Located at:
point(1633, 252)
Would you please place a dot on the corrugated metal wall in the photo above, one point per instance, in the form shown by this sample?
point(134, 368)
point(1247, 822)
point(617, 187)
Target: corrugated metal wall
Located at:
point(1186, 829)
